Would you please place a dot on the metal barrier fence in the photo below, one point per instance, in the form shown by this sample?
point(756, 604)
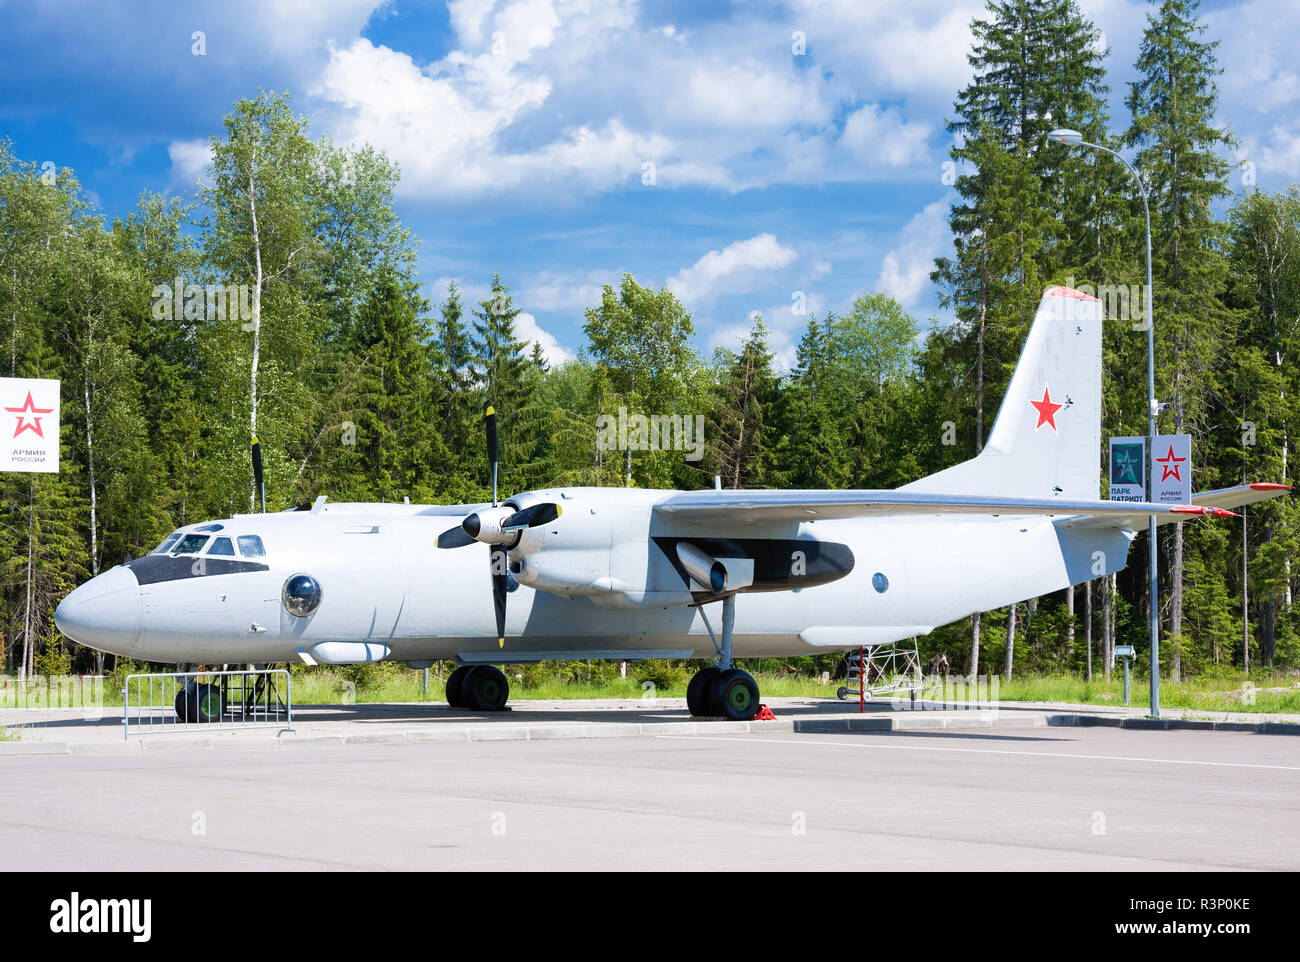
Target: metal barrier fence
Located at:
point(207, 701)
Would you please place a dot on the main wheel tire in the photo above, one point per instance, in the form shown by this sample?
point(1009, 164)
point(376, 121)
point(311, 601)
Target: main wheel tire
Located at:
point(204, 704)
point(485, 688)
point(456, 687)
point(180, 703)
point(697, 692)
point(733, 694)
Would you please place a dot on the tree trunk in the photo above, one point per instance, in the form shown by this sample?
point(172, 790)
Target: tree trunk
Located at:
point(25, 669)
point(1069, 630)
point(1087, 623)
point(1268, 640)
point(257, 323)
point(1011, 643)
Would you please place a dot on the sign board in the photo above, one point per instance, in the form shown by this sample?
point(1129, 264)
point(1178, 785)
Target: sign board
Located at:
point(1171, 469)
point(29, 424)
point(1123, 651)
point(1128, 469)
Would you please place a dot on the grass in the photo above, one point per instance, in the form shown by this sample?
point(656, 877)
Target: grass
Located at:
point(324, 687)
point(1197, 694)
point(10, 734)
point(1276, 693)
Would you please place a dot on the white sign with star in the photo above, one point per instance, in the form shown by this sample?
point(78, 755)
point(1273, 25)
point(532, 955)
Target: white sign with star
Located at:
point(29, 424)
point(1171, 469)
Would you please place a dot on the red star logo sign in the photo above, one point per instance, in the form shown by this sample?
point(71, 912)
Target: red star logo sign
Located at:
point(1047, 409)
point(29, 413)
point(1169, 465)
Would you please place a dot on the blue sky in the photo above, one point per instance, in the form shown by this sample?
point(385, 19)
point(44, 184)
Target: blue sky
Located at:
point(524, 129)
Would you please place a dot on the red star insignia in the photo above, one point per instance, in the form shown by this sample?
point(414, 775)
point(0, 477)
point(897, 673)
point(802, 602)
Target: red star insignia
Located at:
point(1169, 465)
point(28, 412)
point(1046, 410)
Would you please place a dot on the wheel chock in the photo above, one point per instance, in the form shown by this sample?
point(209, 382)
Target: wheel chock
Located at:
point(764, 714)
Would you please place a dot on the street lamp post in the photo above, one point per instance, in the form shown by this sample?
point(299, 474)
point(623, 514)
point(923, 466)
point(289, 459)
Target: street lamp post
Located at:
point(1072, 138)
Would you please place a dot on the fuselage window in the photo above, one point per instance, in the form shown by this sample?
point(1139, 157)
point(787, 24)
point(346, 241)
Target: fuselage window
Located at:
point(222, 546)
point(250, 546)
point(166, 546)
point(191, 544)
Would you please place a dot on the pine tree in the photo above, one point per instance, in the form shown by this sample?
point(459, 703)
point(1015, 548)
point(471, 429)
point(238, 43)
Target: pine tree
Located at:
point(741, 446)
point(502, 373)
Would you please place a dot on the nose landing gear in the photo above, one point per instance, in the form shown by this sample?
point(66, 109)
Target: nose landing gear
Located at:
point(722, 690)
point(200, 703)
point(478, 688)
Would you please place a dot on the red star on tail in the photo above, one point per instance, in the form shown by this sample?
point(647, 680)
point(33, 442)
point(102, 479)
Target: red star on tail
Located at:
point(1046, 410)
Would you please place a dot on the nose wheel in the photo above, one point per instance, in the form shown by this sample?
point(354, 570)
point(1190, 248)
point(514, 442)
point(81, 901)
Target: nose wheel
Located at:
point(200, 703)
point(721, 690)
point(478, 688)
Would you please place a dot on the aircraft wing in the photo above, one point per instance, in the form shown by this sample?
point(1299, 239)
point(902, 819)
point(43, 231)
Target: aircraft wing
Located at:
point(765, 507)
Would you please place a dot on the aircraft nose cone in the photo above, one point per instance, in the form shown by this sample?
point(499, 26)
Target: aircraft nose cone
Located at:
point(104, 613)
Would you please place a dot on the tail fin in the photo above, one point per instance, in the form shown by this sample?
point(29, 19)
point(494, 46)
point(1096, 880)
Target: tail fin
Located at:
point(1046, 441)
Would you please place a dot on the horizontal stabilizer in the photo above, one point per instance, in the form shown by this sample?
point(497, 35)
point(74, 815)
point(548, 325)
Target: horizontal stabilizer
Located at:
point(1220, 500)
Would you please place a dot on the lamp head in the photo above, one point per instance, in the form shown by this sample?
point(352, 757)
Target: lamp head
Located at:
point(1063, 135)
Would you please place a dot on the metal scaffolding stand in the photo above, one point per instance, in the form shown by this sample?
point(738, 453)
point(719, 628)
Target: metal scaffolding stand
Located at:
point(882, 669)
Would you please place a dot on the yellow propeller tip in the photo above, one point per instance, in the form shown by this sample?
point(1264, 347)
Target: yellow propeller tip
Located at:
point(501, 642)
point(490, 411)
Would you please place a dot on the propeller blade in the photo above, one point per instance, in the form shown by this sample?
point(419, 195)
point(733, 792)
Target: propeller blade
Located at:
point(533, 516)
point(453, 538)
point(257, 471)
point(499, 573)
point(490, 421)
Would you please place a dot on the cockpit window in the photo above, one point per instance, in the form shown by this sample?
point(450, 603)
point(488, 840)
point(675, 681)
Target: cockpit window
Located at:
point(191, 544)
point(222, 546)
point(250, 546)
point(166, 546)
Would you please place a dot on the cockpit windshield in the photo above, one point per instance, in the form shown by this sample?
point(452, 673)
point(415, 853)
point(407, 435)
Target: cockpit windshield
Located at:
point(168, 543)
point(191, 544)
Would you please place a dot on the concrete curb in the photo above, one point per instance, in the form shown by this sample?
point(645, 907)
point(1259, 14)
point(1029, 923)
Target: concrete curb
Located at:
point(1186, 725)
point(896, 722)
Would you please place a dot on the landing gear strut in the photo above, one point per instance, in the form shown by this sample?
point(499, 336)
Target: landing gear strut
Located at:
point(723, 690)
point(478, 688)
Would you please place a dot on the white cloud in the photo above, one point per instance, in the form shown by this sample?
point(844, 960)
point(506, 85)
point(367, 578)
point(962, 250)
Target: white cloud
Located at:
point(905, 270)
point(573, 292)
point(882, 139)
point(528, 331)
point(1260, 87)
point(539, 102)
point(190, 159)
point(446, 130)
point(707, 276)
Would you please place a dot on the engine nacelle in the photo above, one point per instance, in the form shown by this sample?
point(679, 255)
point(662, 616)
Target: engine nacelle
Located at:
point(718, 575)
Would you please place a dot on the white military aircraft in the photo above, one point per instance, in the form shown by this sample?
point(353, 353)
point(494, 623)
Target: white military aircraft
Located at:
point(626, 573)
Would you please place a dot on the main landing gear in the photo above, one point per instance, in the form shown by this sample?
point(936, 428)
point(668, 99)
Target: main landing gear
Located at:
point(478, 688)
point(722, 690)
